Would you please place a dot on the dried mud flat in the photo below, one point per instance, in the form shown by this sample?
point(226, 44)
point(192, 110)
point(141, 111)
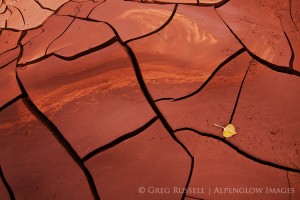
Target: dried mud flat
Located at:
point(113, 99)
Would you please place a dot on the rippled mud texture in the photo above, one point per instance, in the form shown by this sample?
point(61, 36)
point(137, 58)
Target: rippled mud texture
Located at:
point(109, 99)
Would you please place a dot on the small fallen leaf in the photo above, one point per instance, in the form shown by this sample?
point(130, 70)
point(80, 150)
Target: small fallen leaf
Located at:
point(228, 131)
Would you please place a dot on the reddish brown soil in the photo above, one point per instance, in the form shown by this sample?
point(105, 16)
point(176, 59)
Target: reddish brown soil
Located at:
point(119, 99)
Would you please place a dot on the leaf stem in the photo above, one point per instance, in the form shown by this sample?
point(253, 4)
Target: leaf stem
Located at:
point(219, 126)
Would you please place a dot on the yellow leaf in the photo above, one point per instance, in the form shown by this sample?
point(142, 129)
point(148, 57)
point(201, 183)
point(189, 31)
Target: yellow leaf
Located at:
point(229, 131)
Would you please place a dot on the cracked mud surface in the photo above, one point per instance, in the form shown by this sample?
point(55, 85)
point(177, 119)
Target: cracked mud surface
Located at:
point(99, 98)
